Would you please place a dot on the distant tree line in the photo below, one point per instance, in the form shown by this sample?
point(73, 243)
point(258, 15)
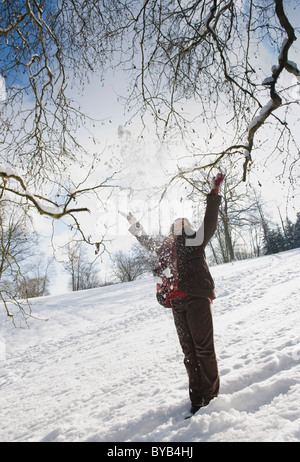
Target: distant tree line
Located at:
point(282, 238)
point(128, 266)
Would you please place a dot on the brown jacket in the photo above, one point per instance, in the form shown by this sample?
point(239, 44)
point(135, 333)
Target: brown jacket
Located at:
point(193, 275)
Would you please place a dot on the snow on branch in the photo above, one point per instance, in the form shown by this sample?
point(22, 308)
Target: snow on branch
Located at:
point(52, 210)
point(275, 101)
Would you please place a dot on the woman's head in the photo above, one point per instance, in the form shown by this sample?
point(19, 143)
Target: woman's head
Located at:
point(180, 225)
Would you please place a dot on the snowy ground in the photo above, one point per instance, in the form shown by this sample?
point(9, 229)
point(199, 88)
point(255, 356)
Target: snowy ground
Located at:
point(107, 366)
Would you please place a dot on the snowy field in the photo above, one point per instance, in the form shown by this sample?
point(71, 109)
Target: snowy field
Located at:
point(107, 365)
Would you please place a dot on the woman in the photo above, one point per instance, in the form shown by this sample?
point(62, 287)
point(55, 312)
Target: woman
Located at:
point(187, 286)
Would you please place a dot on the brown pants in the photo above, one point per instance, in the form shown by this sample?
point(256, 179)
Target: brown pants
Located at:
point(193, 321)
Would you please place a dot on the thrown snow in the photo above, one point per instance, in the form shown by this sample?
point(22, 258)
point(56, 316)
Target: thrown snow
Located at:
point(107, 366)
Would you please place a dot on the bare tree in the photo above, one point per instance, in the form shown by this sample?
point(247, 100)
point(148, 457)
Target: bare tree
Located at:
point(47, 47)
point(47, 50)
point(37, 279)
point(207, 51)
point(212, 53)
point(238, 215)
point(146, 261)
point(127, 267)
point(17, 247)
point(83, 272)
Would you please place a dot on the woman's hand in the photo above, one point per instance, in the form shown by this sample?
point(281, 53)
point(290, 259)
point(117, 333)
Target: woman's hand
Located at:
point(216, 183)
point(130, 218)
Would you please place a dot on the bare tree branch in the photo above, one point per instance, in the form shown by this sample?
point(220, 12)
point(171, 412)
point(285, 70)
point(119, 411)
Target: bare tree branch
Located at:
point(275, 101)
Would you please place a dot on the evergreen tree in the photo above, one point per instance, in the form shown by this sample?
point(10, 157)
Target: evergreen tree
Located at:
point(274, 241)
point(277, 240)
point(289, 234)
point(296, 240)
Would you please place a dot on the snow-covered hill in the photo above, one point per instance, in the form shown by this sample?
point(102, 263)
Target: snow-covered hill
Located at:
point(107, 366)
